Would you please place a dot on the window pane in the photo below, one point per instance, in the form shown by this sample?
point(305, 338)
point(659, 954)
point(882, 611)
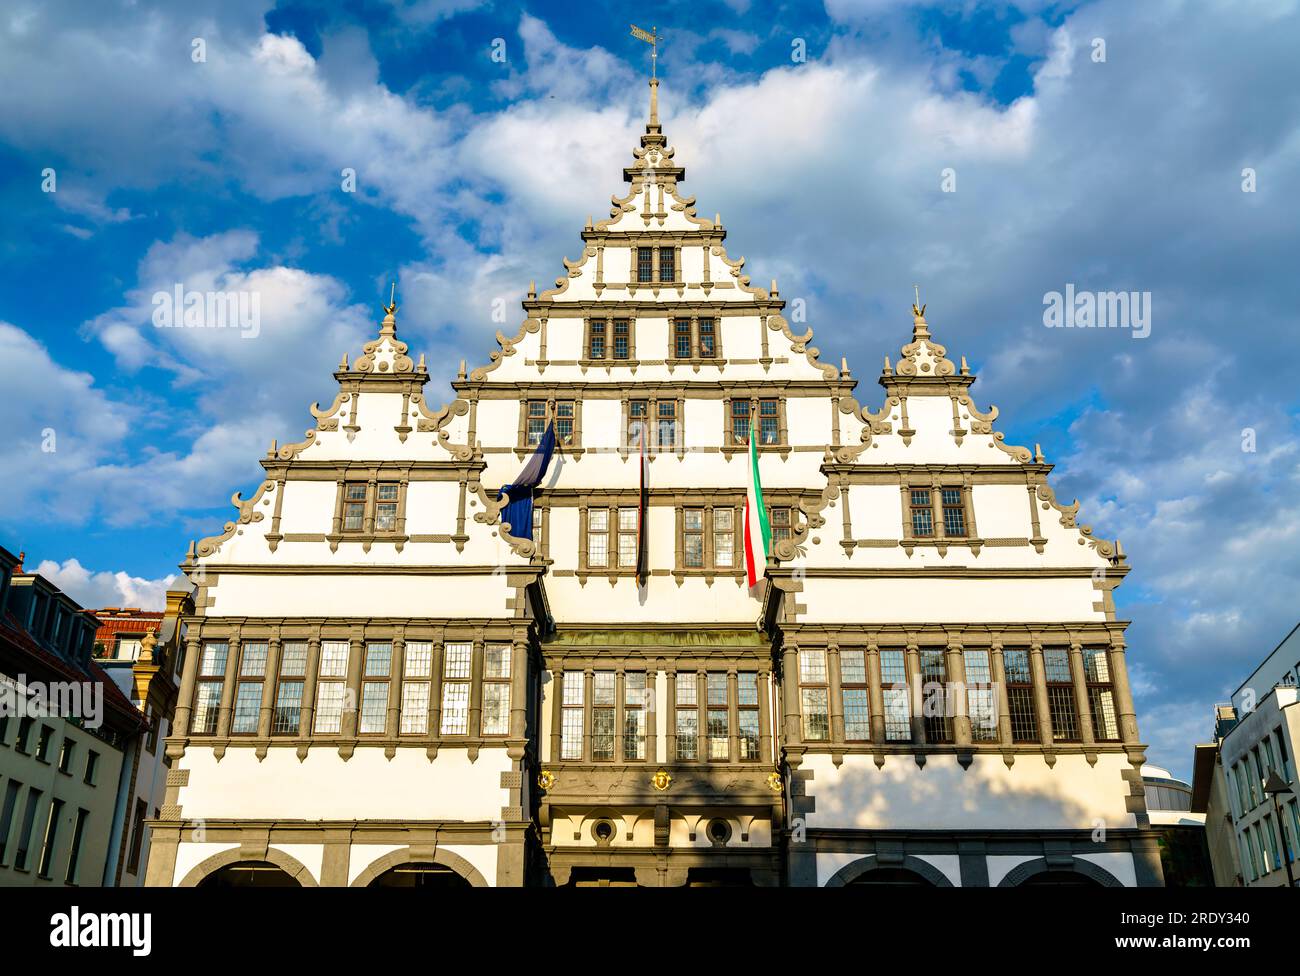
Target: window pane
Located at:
point(573, 687)
point(248, 705)
point(288, 707)
point(333, 659)
point(496, 708)
point(457, 658)
point(602, 732)
point(853, 667)
point(207, 699)
point(688, 731)
point(419, 659)
point(749, 733)
point(329, 707)
point(687, 688)
point(666, 255)
point(694, 551)
point(571, 733)
point(644, 264)
point(708, 346)
point(252, 662)
point(716, 685)
point(634, 726)
point(857, 714)
point(455, 707)
point(415, 707)
point(379, 660)
point(746, 688)
point(293, 659)
point(374, 707)
point(719, 746)
point(602, 688)
point(213, 662)
point(496, 661)
point(812, 666)
point(353, 515)
point(816, 721)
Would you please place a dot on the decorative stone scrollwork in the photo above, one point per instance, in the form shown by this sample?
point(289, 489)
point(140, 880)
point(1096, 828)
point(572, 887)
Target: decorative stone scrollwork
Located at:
point(247, 513)
point(508, 344)
point(1069, 519)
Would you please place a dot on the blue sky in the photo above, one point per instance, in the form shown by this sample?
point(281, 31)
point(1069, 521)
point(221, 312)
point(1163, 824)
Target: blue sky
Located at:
point(474, 176)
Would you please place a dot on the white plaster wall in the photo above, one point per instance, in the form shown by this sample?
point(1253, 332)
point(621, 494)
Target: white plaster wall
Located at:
point(949, 865)
point(362, 856)
point(191, 855)
point(1117, 863)
point(482, 856)
point(987, 796)
point(1000, 865)
point(920, 600)
point(325, 787)
point(345, 595)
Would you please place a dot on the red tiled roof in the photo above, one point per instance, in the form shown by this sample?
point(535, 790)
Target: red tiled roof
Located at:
point(141, 622)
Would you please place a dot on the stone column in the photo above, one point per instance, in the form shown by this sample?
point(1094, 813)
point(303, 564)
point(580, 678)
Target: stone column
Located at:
point(228, 689)
point(474, 728)
point(1128, 730)
point(557, 706)
point(352, 694)
point(185, 698)
point(1041, 706)
point(916, 700)
point(835, 707)
point(733, 715)
point(764, 719)
point(790, 702)
point(397, 665)
point(1077, 677)
point(620, 702)
point(957, 682)
point(998, 672)
point(518, 697)
point(875, 694)
point(306, 719)
point(269, 679)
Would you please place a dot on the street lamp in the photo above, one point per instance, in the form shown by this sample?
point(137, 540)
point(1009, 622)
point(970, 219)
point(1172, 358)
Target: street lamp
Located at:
point(1273, 786)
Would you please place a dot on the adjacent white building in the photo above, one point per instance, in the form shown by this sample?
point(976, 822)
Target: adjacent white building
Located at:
point(382, 685)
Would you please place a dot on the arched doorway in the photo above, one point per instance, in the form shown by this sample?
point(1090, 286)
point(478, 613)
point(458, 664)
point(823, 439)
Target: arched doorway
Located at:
point(420, 876)
point(1060, 879)
point(890, 876)
point(249, 874)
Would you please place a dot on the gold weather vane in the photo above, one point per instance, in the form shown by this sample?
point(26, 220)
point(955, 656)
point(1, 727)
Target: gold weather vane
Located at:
point(391, 307)
point(917, 308)
point(651, 38)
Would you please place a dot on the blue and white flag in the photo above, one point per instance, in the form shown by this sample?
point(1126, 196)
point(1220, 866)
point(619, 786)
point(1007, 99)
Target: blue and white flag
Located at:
point(518, 513)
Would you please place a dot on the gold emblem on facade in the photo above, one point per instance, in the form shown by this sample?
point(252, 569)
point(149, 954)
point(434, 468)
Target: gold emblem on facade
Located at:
point(546, 779)
point(774, 782)
point(661, 780)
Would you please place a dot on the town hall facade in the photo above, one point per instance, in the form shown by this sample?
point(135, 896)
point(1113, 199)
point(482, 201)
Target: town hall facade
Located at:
point(385, 685)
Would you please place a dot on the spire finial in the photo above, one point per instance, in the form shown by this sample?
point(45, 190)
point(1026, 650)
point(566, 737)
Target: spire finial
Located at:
point(651, 38)
point(391, 307)
point(917, 308)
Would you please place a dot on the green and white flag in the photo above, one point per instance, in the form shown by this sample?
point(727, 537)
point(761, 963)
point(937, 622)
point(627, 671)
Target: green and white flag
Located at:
point(758, 531)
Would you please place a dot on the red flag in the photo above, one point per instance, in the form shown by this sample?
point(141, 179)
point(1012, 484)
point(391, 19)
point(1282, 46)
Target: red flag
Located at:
point(643, 509)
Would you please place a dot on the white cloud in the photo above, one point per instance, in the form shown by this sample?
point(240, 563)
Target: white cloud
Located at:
point(97, 589)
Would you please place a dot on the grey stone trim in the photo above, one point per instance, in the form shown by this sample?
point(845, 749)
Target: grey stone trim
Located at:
point(973, 864)
point(420, 855)
point(250, 852)
point(1059, 862)
point(865, 865)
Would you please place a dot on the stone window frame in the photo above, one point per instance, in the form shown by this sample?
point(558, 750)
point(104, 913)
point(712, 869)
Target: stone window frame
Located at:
point(372, 476)
point(695, 358)
point(612, 503)
point(708, 504)
point(935, 485)
point(610, 319)
point(655, 246)
point(730, 448)
point(357, 637)
point(627, 449)
point(574, 448)
point(579, 700)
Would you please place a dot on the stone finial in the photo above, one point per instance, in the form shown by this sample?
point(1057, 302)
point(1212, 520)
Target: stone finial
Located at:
point(420, 366)
point(343, 363)
point(460, 374)
point(965, 370)
point(532, 289)
point(888, 368)
point(844, 366)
